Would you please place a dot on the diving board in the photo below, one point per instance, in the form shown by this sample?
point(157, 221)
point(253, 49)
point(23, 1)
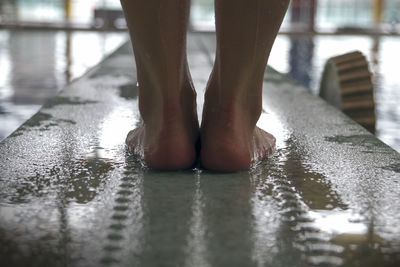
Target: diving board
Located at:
point(71, 194)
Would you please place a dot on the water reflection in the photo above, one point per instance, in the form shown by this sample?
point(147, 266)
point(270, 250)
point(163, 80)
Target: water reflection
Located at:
point(41, 79)
point(301, 59)
point(42, 214)
point(196, 249)
point(228, 218)
point(167, 202)
point(281, 213)
point(58, 57)
point(81, 199)
point(298, 213)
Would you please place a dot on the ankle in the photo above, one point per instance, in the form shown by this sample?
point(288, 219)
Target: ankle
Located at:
point(233, 117)
point(237, 101)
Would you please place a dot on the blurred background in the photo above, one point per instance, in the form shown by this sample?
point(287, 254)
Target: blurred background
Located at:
point(45, 44)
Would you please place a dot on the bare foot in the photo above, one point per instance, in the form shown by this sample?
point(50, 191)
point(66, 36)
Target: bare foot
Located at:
point(230, 140)
point(166, 139)
point(230, 148)
point(167, 101)
point(246, 31)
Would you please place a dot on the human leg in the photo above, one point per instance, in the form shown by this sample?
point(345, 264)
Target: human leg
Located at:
point(246, 31)
point(167, 100)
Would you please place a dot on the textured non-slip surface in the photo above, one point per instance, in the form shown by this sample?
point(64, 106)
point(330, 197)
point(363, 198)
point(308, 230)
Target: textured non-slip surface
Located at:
point(71, 195)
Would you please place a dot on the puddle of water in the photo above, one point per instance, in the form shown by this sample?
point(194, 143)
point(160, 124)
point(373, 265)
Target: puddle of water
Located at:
point(114, 130)
point(338, 222)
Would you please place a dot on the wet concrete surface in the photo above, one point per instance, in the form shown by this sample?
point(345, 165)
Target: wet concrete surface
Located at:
point(71, 195)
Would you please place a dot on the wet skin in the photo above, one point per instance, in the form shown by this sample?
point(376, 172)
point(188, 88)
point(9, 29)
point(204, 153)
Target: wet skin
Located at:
point(230, 140)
